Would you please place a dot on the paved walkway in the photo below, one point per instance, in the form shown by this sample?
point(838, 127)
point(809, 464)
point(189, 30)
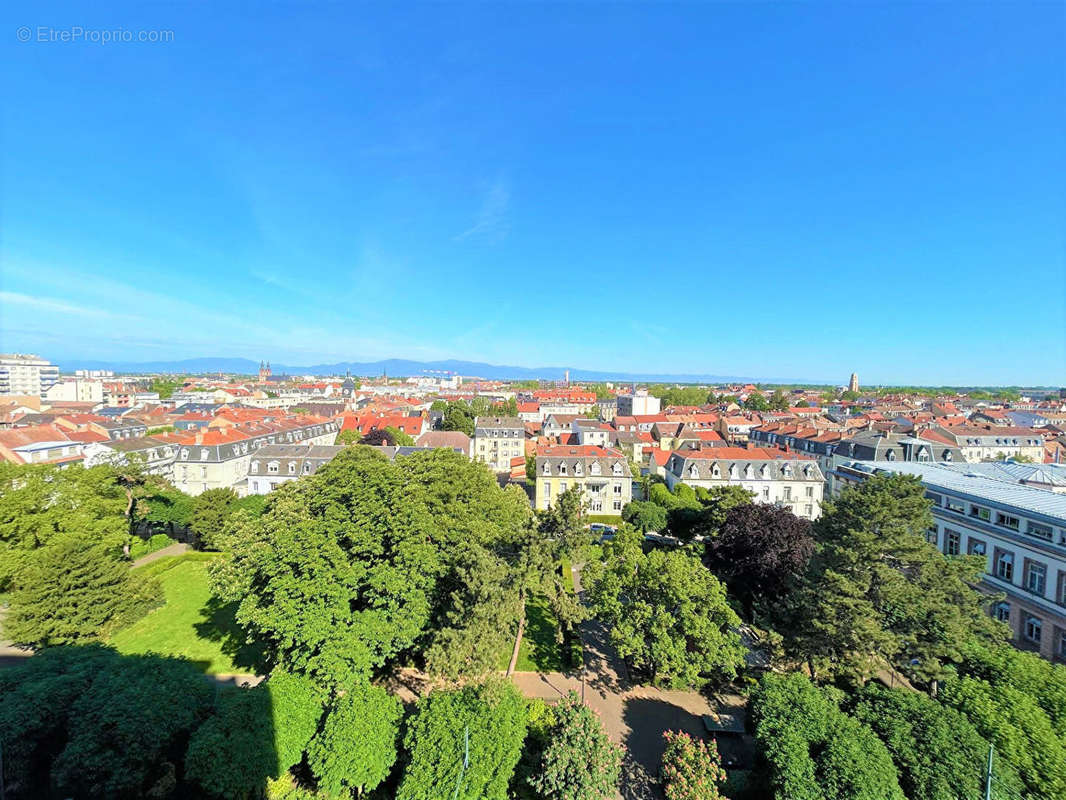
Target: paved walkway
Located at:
point(633, 716)
point(170, 550)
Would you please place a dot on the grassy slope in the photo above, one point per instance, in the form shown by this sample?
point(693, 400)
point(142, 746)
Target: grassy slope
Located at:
point(191, 624)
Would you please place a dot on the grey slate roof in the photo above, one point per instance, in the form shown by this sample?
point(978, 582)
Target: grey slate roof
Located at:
point(951, 480)
point(680, 464)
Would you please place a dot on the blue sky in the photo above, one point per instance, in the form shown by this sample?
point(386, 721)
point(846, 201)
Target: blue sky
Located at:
point(790, 190)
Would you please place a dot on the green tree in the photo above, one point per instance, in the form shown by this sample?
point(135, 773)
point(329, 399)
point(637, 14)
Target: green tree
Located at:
point(124, 733)
point(691, 769)
point(814, 751)
point(71, 591)
point(756, 402)
point(877, 591)
point(228, 756)
point(356, 747)
point(645, 516)
point(666, 613)
point(210, 512)
point(578, 762)
point(339, 572)
point(457, 417)
point(935, 748)
point(487, 721)
point(350, 436)
point(478, 620)
point(778, 401)
point(1022, 731)
point(297, 704)
point(399, 438)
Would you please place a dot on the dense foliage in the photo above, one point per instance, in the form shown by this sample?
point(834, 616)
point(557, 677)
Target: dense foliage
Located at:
point(464, 744)
point(667, 614)
point(357, 745)
point(760, 551)
point(877, 591)
point(348, 567)
point(811, 750)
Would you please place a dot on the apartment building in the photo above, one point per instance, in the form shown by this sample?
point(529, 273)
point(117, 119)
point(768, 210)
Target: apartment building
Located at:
point(638, 403)
point(995, 443)
point(27, 375)
point(76, 390)
point(220, 458)
point(275, 464)
point(1019, 530)
point(497, 440)
point(772, 476)
point(602, 474)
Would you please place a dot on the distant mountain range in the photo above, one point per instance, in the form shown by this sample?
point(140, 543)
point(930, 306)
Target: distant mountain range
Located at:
point(399, 367)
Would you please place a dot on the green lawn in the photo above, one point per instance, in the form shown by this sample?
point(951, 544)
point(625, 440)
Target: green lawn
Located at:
point(540, 650)
point(191, 624)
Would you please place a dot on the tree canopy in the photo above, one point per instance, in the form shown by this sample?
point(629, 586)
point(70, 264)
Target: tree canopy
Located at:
point(665, 611)
point(486, 721)
point(578, 762)
point(877, 591)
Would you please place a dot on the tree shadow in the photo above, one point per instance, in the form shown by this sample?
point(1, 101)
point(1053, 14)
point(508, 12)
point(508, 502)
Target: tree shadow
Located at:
point(647, 719)
point(89, 722)
point(220, 625)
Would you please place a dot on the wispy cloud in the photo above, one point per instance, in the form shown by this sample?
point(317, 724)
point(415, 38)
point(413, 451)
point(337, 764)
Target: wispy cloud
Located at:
point(493, 220)
point(59, 306)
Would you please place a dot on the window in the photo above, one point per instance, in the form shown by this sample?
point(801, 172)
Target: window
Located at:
point(1033, 628)
point(562, 468)
point(617, 505)
point(292, 467)
point(618, 488)
point(1060, 589)
point(808, 509)
point(951, 542)
point(787, 496)
point(977, 547)
point(766, 493)
point(931, 535)
point(547, 490)
point(956, 505)
point(981, 513)
point(1039, 530)
point(1036, 577)
point(937, 499)
point(810, 491)
point(1007, 521)
point(1001, 611)
point(562, 486)
point(272, 467)
point(1005, 565)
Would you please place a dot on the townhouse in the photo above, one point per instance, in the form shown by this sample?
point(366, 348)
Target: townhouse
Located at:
point(275, 464)
point(1019, 531)
point(789, 480)
point(602, 475)
point(220, 457)
point(995, 443)
point(498, 440)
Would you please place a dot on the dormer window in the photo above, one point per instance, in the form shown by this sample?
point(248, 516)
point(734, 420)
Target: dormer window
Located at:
point(579, 468)
point(693, 472)
point(547, 468)
point(595, 468)
point(733, 474)
point(203, 453)
point(272, 467)
point(292, 467)
point(787, 470)
point(764, 471)
point(255, 466)
point(716, 472)
point(748, 472)
point(562, 468)
point(617, 468)
point(307, 467)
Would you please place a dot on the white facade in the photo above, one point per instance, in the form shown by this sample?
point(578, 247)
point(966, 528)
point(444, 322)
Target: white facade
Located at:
point(638, 404)
point(80, 390)
point(26, 375)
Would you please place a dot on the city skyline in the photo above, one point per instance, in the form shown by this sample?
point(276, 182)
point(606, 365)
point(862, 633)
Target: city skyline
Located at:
point(785, 191)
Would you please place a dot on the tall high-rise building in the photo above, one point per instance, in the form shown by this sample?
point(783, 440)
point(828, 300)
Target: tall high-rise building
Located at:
point(22, 374)
point(853, 384)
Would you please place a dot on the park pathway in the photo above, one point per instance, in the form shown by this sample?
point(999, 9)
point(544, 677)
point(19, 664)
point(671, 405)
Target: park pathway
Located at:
point(633, 716)
point(170, 550)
